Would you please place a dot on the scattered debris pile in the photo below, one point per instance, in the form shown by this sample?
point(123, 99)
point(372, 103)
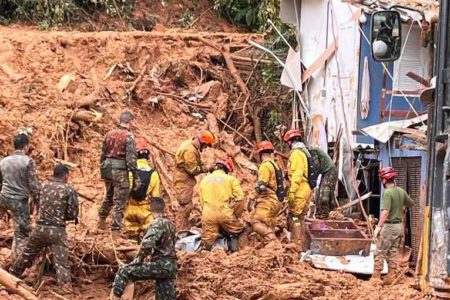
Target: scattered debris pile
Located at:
point(67, 90)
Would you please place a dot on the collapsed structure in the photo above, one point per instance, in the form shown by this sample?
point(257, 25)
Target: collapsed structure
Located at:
point(74, 85)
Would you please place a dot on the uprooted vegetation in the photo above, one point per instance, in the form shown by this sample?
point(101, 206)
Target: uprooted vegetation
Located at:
point(68, 89)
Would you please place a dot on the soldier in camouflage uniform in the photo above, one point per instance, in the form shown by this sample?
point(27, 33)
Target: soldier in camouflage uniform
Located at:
point(159, 241)
point(118, 157)
point(327, 181)
point(58, 204)
point(18, 180)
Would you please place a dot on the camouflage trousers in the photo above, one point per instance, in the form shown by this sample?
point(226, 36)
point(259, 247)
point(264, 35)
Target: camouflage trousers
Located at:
point(117, 192)
point(41, 237)
point(387, 246)
point(20, 210)
point(163, 271)
point(326, 195)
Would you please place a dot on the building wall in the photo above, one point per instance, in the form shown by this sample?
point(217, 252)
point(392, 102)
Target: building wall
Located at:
point(332, 95)
point(379, 105)
point(332, 91)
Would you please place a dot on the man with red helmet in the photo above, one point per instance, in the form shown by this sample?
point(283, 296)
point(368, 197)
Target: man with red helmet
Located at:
point(221, 198)
point(188, 165)
point(395, 200)
point(137, 215)
point(270, 193)
point(322, 165)
point(300, 192)
point(118, 157)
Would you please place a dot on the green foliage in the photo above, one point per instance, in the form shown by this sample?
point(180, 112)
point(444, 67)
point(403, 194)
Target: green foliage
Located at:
point(251, 13)
point(186, 19)
point(49, 13)
point(272, 99)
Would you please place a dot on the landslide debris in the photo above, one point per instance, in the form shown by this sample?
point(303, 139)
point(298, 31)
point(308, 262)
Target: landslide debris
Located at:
point(67, 89)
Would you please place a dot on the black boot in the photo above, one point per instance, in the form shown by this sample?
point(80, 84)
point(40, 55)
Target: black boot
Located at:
point(234, 243)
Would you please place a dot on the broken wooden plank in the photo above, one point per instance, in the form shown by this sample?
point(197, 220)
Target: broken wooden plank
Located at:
point(354, 202)
point(415, 132)
point(16, 285)
point(326, 55)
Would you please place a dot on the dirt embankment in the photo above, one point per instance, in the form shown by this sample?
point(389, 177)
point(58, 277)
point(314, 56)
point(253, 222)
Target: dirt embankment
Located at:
point(67, 89)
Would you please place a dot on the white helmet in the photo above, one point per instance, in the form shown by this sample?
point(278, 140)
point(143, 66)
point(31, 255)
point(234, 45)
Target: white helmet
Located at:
point(379, 49)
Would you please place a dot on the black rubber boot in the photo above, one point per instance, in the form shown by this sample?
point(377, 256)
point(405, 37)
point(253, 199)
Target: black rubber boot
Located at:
point(234, 243)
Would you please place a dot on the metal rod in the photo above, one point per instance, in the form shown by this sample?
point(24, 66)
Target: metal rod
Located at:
point(291, 77)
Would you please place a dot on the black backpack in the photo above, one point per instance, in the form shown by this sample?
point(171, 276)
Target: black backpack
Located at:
point(281, 191)
point(141, 193)
point(313, 167)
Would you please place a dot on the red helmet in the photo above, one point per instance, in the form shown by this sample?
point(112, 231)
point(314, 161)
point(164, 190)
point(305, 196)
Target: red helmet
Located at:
point(387, 173)
point(264, 146)
point(291, 134)
point(141, 144)
point(228, 163)
point(206, 137)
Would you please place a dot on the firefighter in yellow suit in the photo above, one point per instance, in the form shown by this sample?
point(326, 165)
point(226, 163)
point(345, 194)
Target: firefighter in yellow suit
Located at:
point(137, 214)
point(267, 204)
point(188, 165)
point(300, 192)
point(221, 198)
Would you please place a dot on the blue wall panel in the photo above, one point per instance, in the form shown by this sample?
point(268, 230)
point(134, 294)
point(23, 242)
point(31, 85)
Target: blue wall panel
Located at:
point(376, 80)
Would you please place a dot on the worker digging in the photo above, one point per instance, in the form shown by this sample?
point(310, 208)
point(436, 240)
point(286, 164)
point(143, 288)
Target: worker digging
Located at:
point(192, 150)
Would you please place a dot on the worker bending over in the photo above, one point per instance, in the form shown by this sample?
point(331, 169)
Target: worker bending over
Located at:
point(58, 204)
point(300, 192)
point(18, 180)
point(118, 157)
point(137, 214)
point(159, 242)
point(188, 165)
point(270, 193)
point(325, 167)
point(221, 198)
point(395, 200)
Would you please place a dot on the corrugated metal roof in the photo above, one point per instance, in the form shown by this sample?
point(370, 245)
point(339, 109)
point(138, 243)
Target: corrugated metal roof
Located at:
point(430, 8)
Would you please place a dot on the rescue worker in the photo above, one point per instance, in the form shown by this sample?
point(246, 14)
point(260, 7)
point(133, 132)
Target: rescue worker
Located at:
point(300, 192)
point(58, 204)
point(18, 179)
point(324, 166)
point(221, 198)
point(118, 157)
point(395, 200)
point(268, 203)
point(188, 165)
point(159, 242)
point(137, 214)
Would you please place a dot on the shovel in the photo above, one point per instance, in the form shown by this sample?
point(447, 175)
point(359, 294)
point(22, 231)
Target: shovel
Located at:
point(404, 253)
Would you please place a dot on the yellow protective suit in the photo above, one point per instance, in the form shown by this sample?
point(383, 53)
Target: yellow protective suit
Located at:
point(300, 192)
point(137, 214)
point(219, 193)
point(267, 204)
point(188, 165)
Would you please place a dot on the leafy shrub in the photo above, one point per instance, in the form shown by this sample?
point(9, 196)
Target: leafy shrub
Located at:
point(48, 13)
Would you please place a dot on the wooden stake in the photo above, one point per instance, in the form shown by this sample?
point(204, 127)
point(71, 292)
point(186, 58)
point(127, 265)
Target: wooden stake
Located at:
point(16, 285)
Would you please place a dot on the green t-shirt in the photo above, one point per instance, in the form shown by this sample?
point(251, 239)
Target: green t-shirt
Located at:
point(394, 199)
point(326, 163)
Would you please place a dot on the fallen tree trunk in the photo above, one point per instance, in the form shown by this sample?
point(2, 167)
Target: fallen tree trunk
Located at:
point(225, 51)
point(16, 285)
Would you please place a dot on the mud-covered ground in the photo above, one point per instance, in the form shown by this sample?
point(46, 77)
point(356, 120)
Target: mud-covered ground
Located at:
point(66, 89)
